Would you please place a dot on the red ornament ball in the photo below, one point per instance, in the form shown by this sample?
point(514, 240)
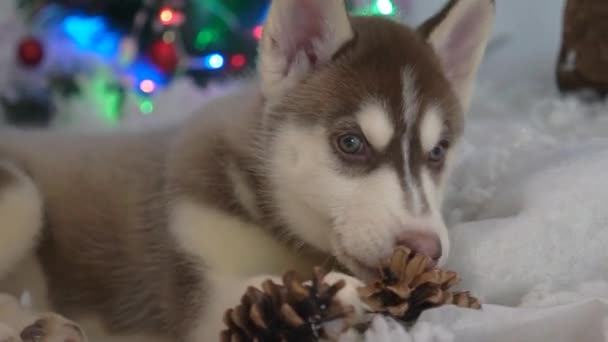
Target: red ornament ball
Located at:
point(30, 52)
point(164, 56)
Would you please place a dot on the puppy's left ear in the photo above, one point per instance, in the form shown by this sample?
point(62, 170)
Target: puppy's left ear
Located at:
point(459, 33)
point(298, 36)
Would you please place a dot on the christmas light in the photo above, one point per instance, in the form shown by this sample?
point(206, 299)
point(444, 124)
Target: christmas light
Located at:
point(127, 50)
point(30, 52)
point(164, 56)
point(166, 16)
point(108, 96)
point(147, 86)
point(146, 107)
point(214, 61)
point(141, 71)
point(238, 61)
point(83, 30)
point(257, 32)
point(224, 43)
point(205, 37)
point(92, 34)
point(169, 37)
point(385, 7)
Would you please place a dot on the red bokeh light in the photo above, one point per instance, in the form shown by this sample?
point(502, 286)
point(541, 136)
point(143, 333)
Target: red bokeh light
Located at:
point(238, 61)
point(30, 52)
point(257, 32)
point(164, 55)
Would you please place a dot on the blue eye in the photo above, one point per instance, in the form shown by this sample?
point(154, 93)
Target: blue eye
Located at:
point(438, 153)
point(351, 143)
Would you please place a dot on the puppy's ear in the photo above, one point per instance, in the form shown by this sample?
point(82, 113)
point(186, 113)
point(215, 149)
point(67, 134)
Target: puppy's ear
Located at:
point(298, 36)
point(459, 33)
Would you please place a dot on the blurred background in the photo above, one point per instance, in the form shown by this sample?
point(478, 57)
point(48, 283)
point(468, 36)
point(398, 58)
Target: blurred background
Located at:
point(67, 63)
point(102, 63)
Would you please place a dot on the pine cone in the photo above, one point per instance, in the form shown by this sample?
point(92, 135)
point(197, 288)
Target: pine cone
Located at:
point(293, 311)
point(407, 287)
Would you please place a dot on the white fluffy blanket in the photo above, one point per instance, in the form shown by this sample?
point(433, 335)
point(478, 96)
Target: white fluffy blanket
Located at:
point(529, 199)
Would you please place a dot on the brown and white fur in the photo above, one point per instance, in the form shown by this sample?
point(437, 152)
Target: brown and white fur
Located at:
point(340, 151)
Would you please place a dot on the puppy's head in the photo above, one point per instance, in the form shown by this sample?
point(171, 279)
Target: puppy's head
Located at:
point(361, 118)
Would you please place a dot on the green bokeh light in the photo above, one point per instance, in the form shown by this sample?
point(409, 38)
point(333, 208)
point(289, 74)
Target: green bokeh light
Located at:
point(146, 107)
point(109, 97)
point(385, 7)
point(377, 7)
point(205, 37)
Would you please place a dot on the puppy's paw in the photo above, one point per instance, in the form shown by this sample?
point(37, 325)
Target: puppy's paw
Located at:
point(53, 328)
point(348, 295)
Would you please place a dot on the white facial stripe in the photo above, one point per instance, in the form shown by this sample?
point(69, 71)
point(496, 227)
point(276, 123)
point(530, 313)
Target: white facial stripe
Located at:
point(416, 199)
point(433, 195)
point(430, 191)
point(430, 128)
point(376, 125)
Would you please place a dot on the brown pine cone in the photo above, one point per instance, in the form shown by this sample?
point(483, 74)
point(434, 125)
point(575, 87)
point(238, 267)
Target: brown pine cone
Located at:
point(407, 287)
point(293, 311)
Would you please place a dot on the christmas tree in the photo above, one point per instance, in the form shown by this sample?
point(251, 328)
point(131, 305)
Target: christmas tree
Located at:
point(133, 50)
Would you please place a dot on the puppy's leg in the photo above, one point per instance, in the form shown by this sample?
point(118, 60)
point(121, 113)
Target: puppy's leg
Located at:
point(21, 214)
point(226, 293)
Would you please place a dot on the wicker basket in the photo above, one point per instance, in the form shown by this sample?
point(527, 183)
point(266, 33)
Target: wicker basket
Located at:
point(583, 58)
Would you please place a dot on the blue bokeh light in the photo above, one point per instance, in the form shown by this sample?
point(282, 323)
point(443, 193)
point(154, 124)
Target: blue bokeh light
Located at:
point(214, 61)
point(92, 34)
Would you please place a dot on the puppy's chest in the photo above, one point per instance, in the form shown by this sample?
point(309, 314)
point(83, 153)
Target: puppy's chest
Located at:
point(228, 244)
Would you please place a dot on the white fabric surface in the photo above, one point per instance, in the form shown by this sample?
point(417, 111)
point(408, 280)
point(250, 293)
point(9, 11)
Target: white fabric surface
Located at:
point(528, 203)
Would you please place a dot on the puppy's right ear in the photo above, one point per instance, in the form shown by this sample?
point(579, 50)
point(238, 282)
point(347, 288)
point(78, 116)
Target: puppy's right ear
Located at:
point(298, 36)
point(459, 33)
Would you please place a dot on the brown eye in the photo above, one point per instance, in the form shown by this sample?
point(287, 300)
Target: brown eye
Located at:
point(351, 144)
point(438, 153)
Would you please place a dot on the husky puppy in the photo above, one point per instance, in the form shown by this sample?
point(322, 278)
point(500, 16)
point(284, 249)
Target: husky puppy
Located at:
point(340, 151)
